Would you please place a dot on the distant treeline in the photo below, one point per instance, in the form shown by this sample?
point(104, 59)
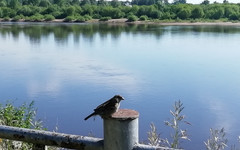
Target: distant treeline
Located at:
point(75, 10)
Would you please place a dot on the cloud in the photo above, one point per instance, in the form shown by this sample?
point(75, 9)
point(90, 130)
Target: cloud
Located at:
point(221, 111)
point(66, 69)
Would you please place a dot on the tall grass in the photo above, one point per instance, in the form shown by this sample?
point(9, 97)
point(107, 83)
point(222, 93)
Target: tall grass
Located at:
point(175, 124)
point(23, 116)
point(177, 134)
point(217, 139)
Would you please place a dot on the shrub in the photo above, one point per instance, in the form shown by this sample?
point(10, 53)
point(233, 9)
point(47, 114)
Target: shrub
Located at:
point(36, 18)
point(23, 116)
point(143, 18)
point(96, 16)
point(6, 19)
point(17, 18)
point(234, 16)
point(80, 19)
point(69, 19)
point(27, 19)
point(49, 17)
point(87, 17)
point(105, 18)
point(132, 18)
point(57, 14)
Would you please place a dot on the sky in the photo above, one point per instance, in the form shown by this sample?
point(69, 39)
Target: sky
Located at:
point(211, 1)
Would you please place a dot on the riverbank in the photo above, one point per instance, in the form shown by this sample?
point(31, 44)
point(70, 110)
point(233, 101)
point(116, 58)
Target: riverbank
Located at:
point(124, 21)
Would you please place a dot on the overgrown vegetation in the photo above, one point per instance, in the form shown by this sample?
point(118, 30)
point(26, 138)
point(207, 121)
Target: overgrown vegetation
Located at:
point(23, 116)
point(72, 10)
point(216, 141)
point(175, 124)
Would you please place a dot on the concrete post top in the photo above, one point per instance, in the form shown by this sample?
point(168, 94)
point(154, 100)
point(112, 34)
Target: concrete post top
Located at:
point(125, 114)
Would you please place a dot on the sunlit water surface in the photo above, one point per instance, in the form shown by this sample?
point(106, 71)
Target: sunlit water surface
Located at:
point(69, 69)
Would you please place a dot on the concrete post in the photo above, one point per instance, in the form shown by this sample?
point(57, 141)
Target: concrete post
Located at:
point(121, 130)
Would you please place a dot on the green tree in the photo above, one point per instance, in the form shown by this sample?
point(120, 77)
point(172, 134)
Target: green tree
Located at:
point(93, 2)
point(225, 2)
point(231, 9)
point(61, 2)
point(31, 2)
point(34, 2)
point(87, 9)
point(1, 15)
point(50, 9)
point(8, 12)
point(134, 9)
point(78, 9)
point(115, 3)
point(14, 4)
point(179, 1)
point(216, 11)
point(75, 2)
point(205, 2)
point(25, 11)
point(144, 2)
point(102, 3)
point(70, 10)
point(3, 3)
point(85, 2)
point(166, 2)
point(197, 12)
point(109, 11)
point(44, 3)
point(116, 13)
point(184, 13)
point(167, 15)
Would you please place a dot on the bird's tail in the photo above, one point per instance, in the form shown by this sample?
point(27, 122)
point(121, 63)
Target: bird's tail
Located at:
point(90, 116)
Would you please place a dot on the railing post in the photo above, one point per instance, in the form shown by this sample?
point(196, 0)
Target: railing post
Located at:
point(121, 130)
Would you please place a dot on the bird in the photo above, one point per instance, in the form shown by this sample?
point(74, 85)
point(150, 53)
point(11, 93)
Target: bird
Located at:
point(107, 108)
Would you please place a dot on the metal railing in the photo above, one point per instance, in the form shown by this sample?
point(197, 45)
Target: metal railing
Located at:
point(120, 133)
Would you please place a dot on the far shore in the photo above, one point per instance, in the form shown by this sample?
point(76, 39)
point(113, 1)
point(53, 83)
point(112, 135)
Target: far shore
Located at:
point(124, 21)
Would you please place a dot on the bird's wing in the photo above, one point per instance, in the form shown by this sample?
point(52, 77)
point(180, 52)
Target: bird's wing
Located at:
point(110, 104)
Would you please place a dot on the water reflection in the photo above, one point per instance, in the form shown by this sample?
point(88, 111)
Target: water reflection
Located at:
point(62, 32)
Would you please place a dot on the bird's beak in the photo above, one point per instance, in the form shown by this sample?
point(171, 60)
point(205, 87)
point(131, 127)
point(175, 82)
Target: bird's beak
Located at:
point(122, 98)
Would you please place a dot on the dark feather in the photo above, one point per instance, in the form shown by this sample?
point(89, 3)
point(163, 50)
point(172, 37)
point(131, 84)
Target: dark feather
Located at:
point(92, 114)
point(107, 108)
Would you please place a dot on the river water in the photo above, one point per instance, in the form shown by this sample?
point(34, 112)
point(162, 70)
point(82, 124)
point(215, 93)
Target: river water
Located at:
point(69, 69)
